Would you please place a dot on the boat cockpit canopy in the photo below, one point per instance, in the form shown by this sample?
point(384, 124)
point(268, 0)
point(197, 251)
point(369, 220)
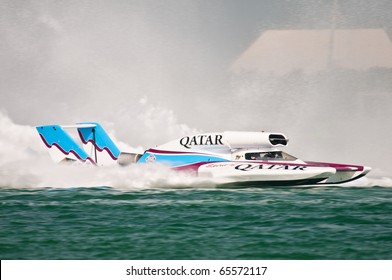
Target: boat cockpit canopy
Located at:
point(275, 155)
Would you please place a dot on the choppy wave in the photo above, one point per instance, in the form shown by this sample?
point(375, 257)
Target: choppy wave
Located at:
point(102, 223)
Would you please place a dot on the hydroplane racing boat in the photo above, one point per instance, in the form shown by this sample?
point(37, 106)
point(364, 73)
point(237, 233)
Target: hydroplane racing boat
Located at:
point(230, 157)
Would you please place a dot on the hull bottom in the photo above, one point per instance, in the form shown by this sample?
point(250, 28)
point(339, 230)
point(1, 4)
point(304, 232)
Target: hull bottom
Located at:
point(260, 184)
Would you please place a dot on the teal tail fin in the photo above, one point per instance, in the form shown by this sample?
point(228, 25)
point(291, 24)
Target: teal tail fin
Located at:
point(94, 146)
point(66, 148)
point(97, 141)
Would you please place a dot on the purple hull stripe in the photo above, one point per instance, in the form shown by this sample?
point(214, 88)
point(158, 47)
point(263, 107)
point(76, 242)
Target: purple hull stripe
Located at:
point(191, 168)
point(174, 152)
point(337, 166)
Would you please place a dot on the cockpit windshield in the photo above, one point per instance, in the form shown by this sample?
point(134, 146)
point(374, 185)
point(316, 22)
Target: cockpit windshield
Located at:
point(278, 155)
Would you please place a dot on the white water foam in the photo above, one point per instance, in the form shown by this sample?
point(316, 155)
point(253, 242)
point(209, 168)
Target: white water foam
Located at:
point(383, 181)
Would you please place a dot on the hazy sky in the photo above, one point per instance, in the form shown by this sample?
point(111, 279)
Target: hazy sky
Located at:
point(152, 70)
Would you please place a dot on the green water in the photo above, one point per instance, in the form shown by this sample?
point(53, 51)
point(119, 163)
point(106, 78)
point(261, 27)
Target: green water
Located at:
point(267, 223)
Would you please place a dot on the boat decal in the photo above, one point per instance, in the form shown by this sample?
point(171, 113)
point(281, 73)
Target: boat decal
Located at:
point(150, 158)
point(202, 139)
point(247, 167)
point(220, 164)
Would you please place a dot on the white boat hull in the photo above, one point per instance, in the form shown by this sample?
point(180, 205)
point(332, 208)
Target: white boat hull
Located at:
point(264, 174)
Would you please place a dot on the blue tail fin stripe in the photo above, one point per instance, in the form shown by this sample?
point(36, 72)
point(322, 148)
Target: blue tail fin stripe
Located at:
point(55, 135)
point(102, 141)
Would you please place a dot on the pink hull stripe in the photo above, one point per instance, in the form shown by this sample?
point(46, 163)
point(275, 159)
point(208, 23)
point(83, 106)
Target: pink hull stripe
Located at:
point(174, 152)
point(337, 166)
point(191, 168)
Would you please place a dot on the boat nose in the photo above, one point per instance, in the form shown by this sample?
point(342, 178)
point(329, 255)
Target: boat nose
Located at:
point(366, 169)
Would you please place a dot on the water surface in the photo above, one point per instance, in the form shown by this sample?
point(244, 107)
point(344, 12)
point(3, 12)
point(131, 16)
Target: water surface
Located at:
point(266, 223)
